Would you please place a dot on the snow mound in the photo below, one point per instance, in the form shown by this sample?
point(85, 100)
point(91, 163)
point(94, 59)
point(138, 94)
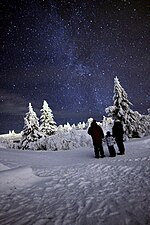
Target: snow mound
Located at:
point(17, 177)
point(3, 167)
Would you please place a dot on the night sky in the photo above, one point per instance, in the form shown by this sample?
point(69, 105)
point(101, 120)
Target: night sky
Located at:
point(68, 53)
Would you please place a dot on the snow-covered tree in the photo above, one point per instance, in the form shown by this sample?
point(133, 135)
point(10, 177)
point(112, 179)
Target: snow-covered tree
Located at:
point(67, 127)
point(48, 125)
point(121, 110)
point(81, 126)
point(88, 123)
point(30, 131)
point(73, 126)
point(145, 120)
point(60, 128)
point(107, 124)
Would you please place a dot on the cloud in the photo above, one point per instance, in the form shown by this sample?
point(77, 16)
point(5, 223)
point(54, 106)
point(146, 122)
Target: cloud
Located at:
point(11, 103)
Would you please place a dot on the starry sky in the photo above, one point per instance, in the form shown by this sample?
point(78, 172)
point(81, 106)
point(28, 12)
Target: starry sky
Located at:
point(68, 52)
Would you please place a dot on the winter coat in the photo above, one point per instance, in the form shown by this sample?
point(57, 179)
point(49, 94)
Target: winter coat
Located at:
point(110, 140)
point(97, 133)
point(117, 130)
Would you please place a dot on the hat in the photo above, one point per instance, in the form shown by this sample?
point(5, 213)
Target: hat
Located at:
point(108, 133)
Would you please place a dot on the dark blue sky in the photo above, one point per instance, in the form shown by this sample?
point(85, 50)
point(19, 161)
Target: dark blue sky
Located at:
point(68, 53)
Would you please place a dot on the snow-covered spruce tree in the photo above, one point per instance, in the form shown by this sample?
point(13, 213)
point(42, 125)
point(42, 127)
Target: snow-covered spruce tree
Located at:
point(145, 120)
point(88, 123)
point(30, 131)
point(81, 126)
point(48, 125)
point(121, 110)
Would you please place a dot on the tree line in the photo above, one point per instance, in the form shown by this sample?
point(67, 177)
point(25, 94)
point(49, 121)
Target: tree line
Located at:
point(135, 124)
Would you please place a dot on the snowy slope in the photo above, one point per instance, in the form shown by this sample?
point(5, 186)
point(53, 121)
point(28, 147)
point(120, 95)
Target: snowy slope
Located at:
point(74, 188)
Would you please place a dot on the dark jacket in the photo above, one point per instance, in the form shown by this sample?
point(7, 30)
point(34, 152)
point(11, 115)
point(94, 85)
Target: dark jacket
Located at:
point(96, 132)
point(117, 130)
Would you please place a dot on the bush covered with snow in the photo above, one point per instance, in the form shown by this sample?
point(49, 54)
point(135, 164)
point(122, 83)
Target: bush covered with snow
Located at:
point(61, 140)
point(64, 141)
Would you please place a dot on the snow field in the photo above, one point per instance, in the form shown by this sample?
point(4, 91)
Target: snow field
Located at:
point(12, 178)
point(73, 188)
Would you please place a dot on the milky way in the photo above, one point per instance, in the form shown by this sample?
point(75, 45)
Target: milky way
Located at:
point(68, 53)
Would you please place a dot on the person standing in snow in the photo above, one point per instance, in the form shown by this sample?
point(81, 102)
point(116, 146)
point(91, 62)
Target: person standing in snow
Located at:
point(110, 144)
point(118, 132)
point(97, 135)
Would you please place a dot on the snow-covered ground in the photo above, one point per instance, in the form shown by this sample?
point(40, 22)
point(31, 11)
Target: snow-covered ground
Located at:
point(73, 188)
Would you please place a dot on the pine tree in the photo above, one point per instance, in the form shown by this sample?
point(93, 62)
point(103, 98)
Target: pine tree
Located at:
point(48, 125)
point(30, 131)
point(121, 110)
point(88, 123)
point(145, 120)
point(67, 127)
point(81, 126)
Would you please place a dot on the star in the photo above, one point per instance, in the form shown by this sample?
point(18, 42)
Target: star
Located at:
point(68, 53)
